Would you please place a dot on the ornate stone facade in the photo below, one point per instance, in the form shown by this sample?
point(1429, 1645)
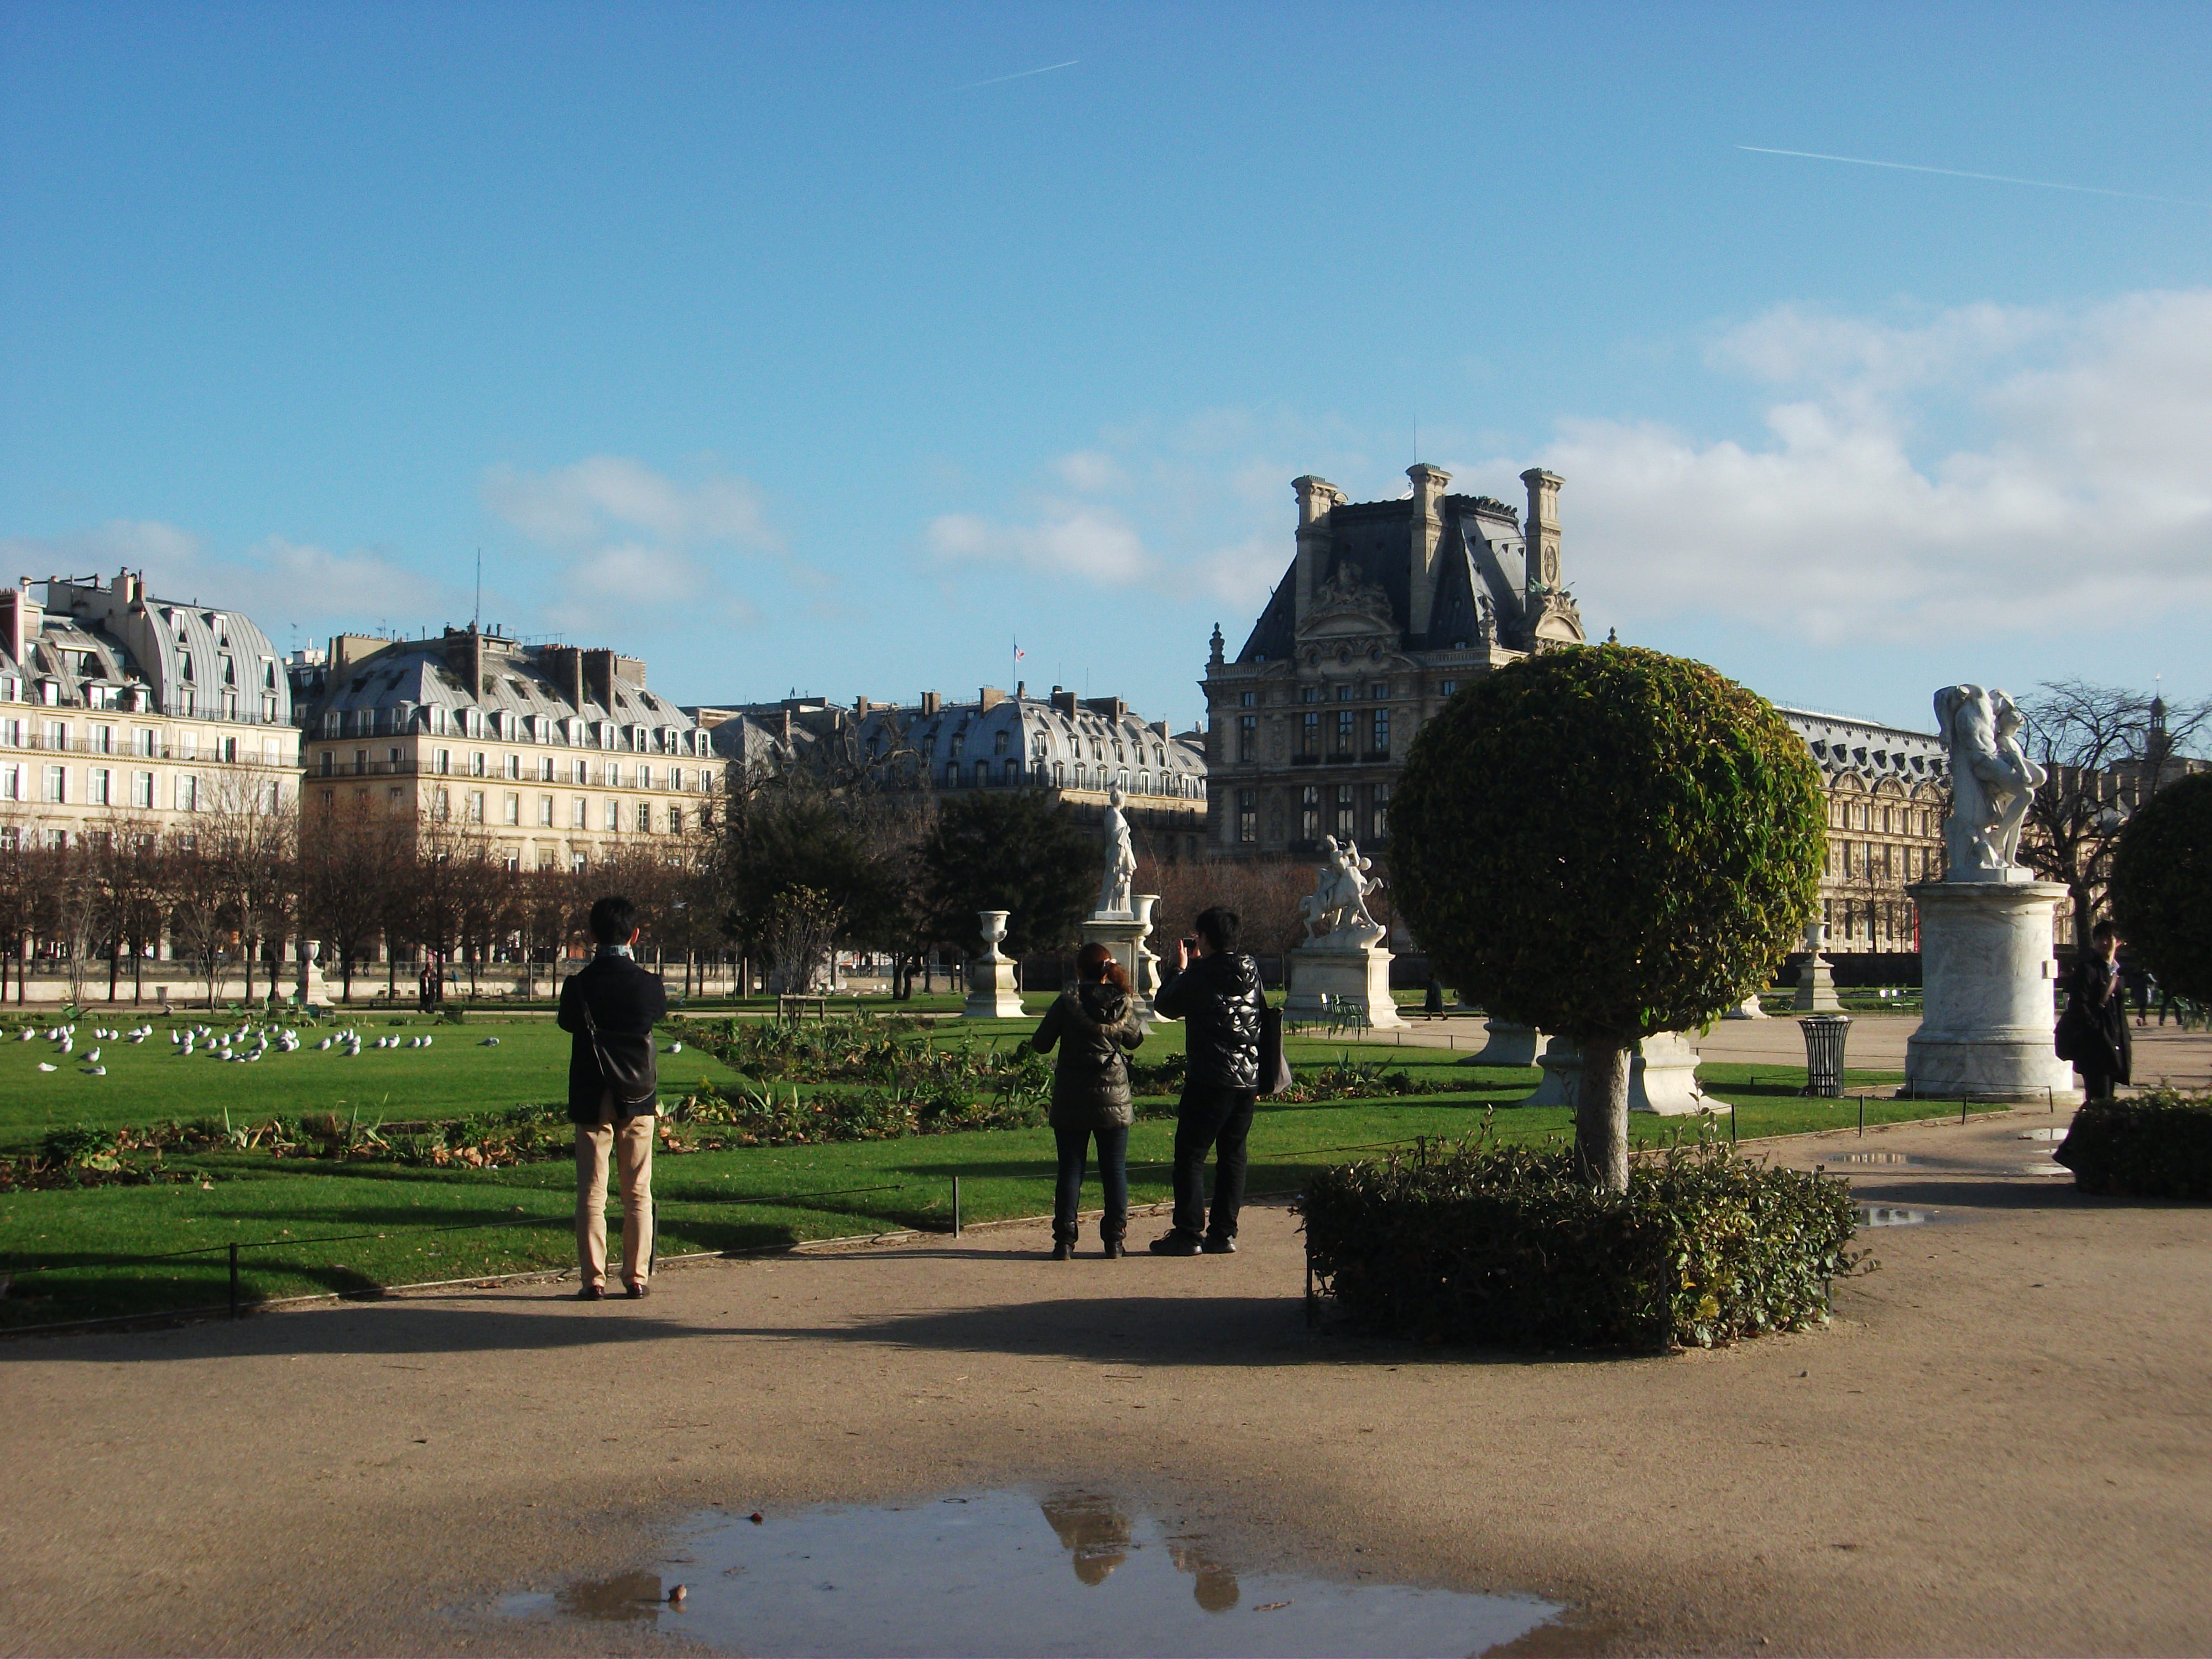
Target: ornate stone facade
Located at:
point(1078, 749)
point(124, 713)
point(1387, 609)
point(1887, 791)
point(559, 755)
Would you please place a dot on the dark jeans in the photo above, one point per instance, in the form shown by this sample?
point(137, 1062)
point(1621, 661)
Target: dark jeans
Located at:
point(1216, 1121)
point(1113, 1176)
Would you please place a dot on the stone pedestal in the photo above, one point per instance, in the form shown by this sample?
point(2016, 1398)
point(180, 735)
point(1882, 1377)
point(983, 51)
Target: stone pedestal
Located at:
point(1355, 976)
point(310, 988)
point(1124, 935)
point(1663, 1076)
point(1749, 1008)
point(1508, 1045)
point(1816, 986)
point(991, 990)
point(1987, 975)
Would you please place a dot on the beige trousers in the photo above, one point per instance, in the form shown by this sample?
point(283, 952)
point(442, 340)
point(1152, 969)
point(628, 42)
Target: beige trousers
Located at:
point(631, 1140)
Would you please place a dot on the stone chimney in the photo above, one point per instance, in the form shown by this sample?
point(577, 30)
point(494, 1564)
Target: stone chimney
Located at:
point(1064, 702)
point(20, 619)
point(1316, 497)
point(564, 667)
point(1428, 531)
point(988, 697)
point(598, 678)
point(931, 702)
point(1542, 527)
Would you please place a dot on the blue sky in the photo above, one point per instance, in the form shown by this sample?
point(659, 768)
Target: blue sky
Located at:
point(767, 344)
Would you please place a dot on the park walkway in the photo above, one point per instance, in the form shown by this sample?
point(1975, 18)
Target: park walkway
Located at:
point(2001, 1446)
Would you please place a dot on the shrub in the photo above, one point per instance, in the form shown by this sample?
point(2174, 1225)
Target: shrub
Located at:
point(2155, 1146)
point(2161, 885)
point(1606, 843)
point(1513, 1247)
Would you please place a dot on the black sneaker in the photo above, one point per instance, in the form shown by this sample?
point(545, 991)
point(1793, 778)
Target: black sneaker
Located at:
point(1062, 1250)
point(1173, 1244)
point(1218, 1244)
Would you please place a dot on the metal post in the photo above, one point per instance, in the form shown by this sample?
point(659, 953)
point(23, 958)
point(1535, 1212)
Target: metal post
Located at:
point(1862, 1117)
point(1731, 1123)
point(1962, 1114)
point(1309, 1291)
point(233, 1281)
point(956, 1206)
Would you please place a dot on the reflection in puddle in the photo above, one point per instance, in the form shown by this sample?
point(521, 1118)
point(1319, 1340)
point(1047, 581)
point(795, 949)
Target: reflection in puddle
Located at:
point(1889, 1215)
point(1877, 1157)
point(2043, 1134)
point(1075, 1573)
point(632, 1595)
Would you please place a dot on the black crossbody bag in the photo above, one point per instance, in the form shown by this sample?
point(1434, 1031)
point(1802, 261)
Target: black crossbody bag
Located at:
point(632, 1091)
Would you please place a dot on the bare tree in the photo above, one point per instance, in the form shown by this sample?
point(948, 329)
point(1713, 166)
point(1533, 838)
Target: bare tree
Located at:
point(351, 858)
point(2106, 747)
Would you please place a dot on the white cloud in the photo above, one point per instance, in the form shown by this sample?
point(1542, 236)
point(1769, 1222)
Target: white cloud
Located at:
point(1089, 542)
point(630, 544)
point(2081, 503)
point(277, 582)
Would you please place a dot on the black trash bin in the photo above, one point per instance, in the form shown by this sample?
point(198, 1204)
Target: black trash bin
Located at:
point(1824, 1054)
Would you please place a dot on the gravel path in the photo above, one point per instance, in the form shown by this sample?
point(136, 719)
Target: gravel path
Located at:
point(2002, 1446)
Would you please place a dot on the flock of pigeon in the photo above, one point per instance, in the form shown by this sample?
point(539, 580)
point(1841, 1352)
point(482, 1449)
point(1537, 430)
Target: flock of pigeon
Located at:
point(249, 1042)
point(63, 1037)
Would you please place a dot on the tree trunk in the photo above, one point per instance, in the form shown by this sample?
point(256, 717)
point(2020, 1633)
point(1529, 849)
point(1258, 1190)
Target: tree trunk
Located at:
point(2084, 916)
point(1601, 1111)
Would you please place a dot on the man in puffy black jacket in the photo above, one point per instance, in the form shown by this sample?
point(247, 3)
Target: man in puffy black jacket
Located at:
point(1217, 995)
point(613, 1114)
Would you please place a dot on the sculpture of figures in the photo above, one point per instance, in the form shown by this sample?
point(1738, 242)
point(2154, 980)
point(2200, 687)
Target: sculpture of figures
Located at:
point(1120, 860)
point(1993, 782)
point(1338, 901)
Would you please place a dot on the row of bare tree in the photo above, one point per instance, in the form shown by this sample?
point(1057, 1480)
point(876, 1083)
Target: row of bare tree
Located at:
point(235, 888)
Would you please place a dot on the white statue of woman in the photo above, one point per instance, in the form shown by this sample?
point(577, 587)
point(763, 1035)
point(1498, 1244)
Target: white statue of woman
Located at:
point(1120, 860)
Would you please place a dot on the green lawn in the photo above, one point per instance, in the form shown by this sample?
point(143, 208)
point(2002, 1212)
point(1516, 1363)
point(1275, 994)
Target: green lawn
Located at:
point(81, 1253)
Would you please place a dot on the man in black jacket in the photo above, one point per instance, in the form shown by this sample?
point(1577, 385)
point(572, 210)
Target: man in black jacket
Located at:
point(610, 1005)
point(1217, 994)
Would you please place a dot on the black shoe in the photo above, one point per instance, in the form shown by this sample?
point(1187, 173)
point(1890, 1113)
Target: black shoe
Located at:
point(1062, 1250)
point(1219, 1244)
point(1176, 1244)
point(1110, 1248)
point(638, 1291)
point(592, 1293)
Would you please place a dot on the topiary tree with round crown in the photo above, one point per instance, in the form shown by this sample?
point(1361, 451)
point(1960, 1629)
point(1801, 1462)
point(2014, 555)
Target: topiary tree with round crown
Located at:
point(2161, 886)
point(1606, 843)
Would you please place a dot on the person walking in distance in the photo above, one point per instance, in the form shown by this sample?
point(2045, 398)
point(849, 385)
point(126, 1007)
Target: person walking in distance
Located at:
point(609, 1006)
point(1093, 1022)
point(1216, 993)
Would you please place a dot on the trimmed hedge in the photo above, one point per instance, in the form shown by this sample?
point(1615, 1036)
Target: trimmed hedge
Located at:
point(2161, 886)
point(1509, 1247)
point(2155, 1146)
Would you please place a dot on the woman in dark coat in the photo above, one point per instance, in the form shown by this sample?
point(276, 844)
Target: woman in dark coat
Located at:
point(2093, 1032)
point(1094, 1024)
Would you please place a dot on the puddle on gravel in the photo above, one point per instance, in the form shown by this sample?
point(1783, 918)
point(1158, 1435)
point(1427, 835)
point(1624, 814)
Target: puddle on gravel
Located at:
point(1877, 1157)
point(1889, 1215)
point(1072, 1572)
point(2043, 1134)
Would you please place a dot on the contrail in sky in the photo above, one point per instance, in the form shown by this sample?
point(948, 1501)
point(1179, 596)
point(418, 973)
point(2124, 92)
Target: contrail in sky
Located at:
point(1986, 177)
point(1019, 75)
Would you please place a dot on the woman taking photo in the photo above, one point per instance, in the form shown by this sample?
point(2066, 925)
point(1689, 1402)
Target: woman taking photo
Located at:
point(2093, 1032)
point(1093, 1024)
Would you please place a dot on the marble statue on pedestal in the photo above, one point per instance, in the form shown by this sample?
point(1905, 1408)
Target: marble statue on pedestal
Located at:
point(1993, 783)
point(1337, 908)
point(1986, 968)
point(1342, 967)
point(1120, 860)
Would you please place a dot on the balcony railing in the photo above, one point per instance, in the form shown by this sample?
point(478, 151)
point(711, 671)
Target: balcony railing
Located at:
point(36, 742)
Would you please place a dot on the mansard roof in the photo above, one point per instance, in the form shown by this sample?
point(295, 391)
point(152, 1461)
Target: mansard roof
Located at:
point(1846, 746)
point(1481, 569)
